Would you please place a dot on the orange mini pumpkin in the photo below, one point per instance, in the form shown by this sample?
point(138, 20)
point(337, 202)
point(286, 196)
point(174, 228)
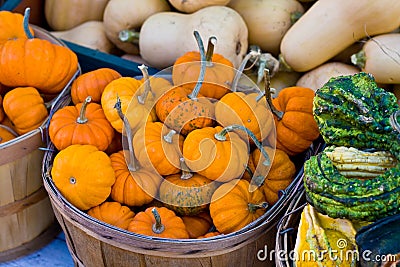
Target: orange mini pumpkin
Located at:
point(275, 178)
point(92, 84)
point(218, 75)
point(233, 206)
point(248, 110)
point(25, 108)
point(159, 148)
point(209, 234)
point(12, 26)
point(133, 187)
point(135, 100)
point(36, 63)
point(187, 193)
point(84, 123)
point(159, 222)
point(218, 153)
point(197, 225)
point(84, 175)
point(6, 134)
point(296, 127)
point(183, 109)
point(112, 213)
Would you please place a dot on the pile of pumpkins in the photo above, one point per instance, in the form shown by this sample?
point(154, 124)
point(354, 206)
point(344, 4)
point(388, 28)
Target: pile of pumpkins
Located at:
point(33, 72)
point(306, 41)
point(181, 156)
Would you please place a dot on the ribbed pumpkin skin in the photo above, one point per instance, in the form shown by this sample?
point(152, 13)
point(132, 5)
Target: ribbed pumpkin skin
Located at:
point(174, 227)
point(37, 63)
point(92, 84)
point(278, 176)
point(127, 89)
point(6, 134)
point(219, 75)
point(153, 151)
point(179, 112)
point(112, 213)
point(11, 26)
point(187, 196)
point(243, 109)
point(214, 159)
point(197, 225)
point(229, 206)
point(297, 129)
point(25, 108)
point(64, 129)
point(84, 175)
point(135, 188)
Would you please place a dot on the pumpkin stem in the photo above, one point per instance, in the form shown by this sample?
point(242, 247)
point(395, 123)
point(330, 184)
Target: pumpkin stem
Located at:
point(129, 36)
point(295, 16)
point(186, 173)
point(168, 137)
point(254, 207)
point(82, 114)
point(394, 121)
point(359, 59)
point(221, 136)
point(142, 98)
point(27, 31)
point(251, 54)
point(267, 61)
point(257, 180)
point(210, 50)
point(283, 65)
point(157, 227)
point(193, 95)
point(279, 114)
point(130, 155)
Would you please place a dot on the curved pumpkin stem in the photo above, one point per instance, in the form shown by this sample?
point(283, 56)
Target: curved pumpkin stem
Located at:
point(252, 54)
point(186, 173)
point(129, 135)
point(168, 137)
point(27, 14)
point(157, 227)
point(82, 114)
point(142, 98)
point(254, 207)
point(193, 95)
point(210, 50)
point(257, 180)
point(221, 136)
point(129, 36)
point(279, 114)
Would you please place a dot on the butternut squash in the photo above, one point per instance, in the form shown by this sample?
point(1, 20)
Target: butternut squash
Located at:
point(268, 20)
point(190, 6)
point(380, 56)
point(63, 15)
point(90, 34)
point(328, 27)
point(165, 36)
point(318, 76)
point(129, 15)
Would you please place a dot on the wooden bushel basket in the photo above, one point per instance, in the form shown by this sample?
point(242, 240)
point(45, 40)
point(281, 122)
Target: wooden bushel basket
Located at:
point(27, 221)
point(95, 243)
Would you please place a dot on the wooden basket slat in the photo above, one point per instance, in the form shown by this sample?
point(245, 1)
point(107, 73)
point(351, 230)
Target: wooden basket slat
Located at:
point(27, 220)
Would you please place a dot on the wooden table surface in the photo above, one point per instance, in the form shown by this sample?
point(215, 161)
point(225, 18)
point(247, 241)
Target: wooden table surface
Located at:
point(54, 254)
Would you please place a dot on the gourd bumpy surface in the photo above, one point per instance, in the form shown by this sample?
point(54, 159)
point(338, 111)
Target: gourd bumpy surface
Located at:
point(353, 111)
point(356, 199)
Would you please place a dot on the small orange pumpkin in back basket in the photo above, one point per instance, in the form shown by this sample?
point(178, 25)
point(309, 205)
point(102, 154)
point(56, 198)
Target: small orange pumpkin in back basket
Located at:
point(25, 108)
